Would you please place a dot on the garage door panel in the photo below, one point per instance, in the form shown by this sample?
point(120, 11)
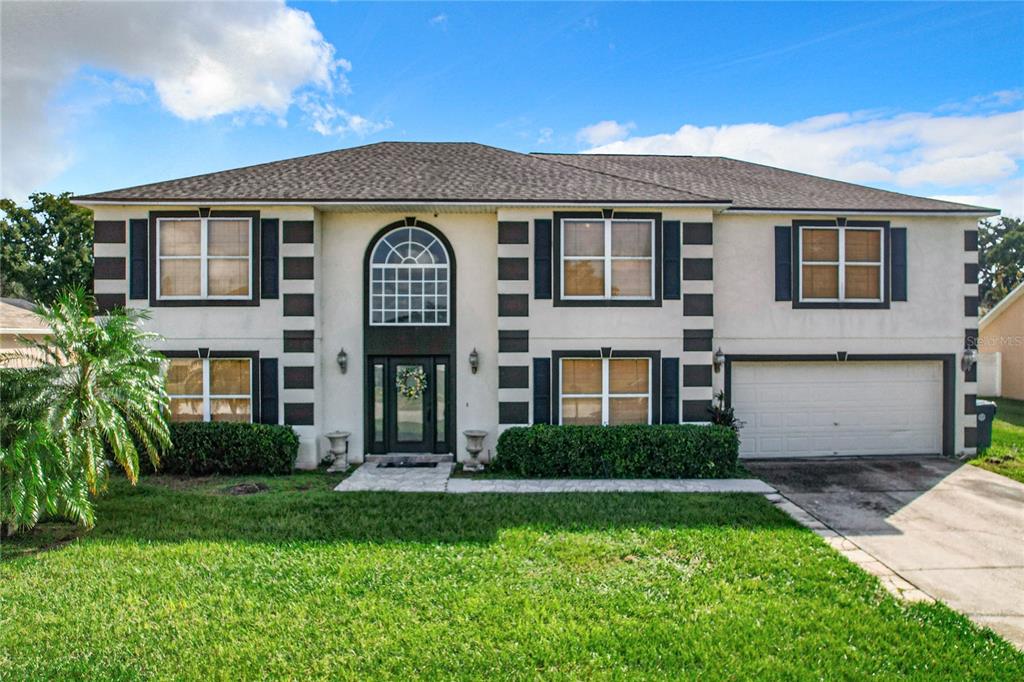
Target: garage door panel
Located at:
point(794, 409)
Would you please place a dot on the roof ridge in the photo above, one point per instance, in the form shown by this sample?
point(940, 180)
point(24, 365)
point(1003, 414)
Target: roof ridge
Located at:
point(624, 177)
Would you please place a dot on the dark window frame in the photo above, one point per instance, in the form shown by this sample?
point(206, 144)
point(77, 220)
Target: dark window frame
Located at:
point(154, 274)
point(254, 370)
point(556, 261)
point(836, 223)
point(557, 356)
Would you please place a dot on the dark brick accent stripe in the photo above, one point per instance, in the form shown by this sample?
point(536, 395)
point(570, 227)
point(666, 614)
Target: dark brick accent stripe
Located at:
point(513, 341)
point(698, 304)
point(513, 268)
point(109, 268)
point(696, 375)
point(298, 414)
point(513, 305)
point(514, 376)
point(298, 377)
point(970, 437)
point(109, 232)
point(513, 413)
point(298, 305)
point(513, 232)
point(298, 231)
point(298, 268)
point(107, 302)
point(970, 403)
point(970, 273)
point(970, 240)
point(698, 269)
point(970, 306)
point(696, 410)
point(697, 339)
point(298, 340)
point(697, 233)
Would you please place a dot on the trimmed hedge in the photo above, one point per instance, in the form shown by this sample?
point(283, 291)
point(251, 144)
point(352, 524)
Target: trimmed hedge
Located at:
point(627, 451)
point(204, 448)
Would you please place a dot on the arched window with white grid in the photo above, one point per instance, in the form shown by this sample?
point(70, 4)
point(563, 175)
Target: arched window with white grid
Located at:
point(409, 279)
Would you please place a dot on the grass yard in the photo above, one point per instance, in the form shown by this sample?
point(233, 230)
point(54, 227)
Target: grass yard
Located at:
point(1006, 456)
point(180, 580)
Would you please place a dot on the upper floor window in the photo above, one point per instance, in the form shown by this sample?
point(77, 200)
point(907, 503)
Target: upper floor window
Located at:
point(841, 264)
point(211, 389)
point(605, 391)
point(204, 258)
point(409, 279)
point(607, 259)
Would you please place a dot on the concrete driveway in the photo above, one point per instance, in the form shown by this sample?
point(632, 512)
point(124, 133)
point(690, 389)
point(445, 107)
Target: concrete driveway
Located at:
point(955, 531)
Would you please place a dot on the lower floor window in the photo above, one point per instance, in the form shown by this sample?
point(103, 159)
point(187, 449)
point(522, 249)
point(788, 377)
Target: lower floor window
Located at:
point(212, 389)
point(605, 391)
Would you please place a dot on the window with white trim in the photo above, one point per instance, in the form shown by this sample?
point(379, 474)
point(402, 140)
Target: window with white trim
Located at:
point(607, 259)
point(842, 264)
point(409, 279)
point(204, 258)
point(605, 391)
point(211, 389)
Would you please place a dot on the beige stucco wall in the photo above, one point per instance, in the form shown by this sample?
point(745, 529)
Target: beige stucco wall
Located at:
point(1005, 335)
point(932, 320)
point(344, 240)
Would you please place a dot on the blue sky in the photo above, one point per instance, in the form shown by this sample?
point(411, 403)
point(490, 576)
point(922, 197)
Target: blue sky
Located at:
point(924, 98)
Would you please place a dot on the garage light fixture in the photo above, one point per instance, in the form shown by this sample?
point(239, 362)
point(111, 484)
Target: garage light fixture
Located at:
point(342, 360)
point(718, 360)
point(969, 359)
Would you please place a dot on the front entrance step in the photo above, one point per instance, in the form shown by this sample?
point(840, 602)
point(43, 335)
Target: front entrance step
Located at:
point(410, 458)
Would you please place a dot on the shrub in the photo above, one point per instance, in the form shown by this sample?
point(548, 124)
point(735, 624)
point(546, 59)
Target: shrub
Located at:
point(627, 451)
point(203, 448)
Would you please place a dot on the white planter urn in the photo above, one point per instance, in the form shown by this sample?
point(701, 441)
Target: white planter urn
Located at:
point(338, 450)
point(474, 444)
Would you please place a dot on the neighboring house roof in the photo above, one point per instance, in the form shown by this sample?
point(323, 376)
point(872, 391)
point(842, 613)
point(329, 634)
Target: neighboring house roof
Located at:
point(454, 172)
point(17, 317)
point(1008, 301)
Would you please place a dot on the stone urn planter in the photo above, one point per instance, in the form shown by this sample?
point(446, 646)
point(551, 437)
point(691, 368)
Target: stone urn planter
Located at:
point(338, 451)
point(474, 444)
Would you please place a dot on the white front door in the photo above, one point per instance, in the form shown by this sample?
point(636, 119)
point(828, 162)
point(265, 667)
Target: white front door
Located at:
point(823, 409)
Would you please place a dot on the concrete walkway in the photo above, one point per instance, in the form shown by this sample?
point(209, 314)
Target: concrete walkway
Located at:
point(954, 532)
point(437, 479)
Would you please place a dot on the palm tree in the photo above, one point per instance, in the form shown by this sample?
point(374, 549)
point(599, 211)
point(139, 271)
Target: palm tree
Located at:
point(98, 394)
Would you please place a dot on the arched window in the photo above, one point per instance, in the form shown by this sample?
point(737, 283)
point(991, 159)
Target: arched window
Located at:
point(409, 282)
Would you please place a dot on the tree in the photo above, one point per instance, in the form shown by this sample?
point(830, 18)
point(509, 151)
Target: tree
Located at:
point(1000, 258)
point(45, 248)
point(98, 394)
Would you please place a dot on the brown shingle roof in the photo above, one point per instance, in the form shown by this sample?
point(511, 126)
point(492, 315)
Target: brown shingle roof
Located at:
point(755, 186)
point(403, 172)
point(409, 171)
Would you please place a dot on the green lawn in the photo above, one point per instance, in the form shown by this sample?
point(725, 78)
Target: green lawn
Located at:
point(183, 581)
point(1006, 456)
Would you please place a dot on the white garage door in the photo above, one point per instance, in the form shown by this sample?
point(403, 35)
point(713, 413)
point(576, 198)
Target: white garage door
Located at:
point(823, 409)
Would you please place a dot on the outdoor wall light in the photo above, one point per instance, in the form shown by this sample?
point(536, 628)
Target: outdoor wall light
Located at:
point(969, 359)
point(718, 360)
point(342, 360)
point(474, 361)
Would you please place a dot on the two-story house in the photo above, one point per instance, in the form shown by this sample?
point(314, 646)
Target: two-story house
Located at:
point(543, 288)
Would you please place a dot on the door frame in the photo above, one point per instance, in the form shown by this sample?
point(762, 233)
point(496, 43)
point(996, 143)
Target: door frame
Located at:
point(389, 443)
point(948, 379)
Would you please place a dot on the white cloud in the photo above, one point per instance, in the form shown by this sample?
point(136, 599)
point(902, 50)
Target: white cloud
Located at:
point(328, 119)
point(440, 21)
point(604, 132)
point(544, 135)
point(1007, 196)
point(927, 152)
point(248, 59)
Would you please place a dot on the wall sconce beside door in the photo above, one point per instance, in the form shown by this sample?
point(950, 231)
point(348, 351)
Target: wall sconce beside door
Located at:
point(474, 361)
point(342, 361)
